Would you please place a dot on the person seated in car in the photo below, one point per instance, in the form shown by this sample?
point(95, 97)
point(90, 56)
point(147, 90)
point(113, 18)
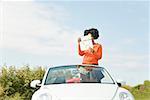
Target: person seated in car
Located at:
point(90, 74)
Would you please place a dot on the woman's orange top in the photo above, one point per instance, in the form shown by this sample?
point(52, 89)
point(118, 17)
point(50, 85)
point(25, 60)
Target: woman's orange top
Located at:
point(89, 57)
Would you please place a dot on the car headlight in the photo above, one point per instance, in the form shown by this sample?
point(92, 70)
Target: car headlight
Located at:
point(44, 96)
point(125, 96)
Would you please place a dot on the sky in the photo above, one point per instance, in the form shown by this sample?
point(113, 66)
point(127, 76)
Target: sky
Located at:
point(45, 33)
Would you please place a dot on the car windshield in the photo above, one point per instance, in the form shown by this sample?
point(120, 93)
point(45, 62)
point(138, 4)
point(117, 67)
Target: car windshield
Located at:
point(77, 74)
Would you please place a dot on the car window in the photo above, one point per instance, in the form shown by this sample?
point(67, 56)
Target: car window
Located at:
point(77, 74)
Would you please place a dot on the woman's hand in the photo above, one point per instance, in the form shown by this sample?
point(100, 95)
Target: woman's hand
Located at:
point(79, 40)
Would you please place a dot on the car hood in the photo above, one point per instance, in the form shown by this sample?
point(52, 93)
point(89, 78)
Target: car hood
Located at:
point(82, 91)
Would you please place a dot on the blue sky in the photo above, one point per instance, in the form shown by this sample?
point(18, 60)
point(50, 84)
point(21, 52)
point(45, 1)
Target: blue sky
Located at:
point(45, 33)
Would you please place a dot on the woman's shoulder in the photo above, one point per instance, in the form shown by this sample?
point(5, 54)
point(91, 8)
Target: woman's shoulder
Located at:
point(98, 44)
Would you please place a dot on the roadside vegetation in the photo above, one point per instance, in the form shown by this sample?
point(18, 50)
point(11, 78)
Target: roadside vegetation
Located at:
point(15, 83)
point(141, 91)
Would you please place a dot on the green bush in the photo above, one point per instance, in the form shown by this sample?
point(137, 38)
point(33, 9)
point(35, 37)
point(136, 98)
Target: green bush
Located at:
point(141, 91)
point(15, 83)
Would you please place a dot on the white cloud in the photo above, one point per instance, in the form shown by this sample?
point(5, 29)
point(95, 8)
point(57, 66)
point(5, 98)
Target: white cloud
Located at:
point(127, 52)
point(36, 28)
point(126, 61)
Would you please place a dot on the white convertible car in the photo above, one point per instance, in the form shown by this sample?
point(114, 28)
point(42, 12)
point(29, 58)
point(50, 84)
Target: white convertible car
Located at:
point(79, 82)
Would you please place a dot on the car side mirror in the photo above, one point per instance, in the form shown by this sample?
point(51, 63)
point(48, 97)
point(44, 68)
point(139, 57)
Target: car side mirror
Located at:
point(121, 82)
point(35, 83)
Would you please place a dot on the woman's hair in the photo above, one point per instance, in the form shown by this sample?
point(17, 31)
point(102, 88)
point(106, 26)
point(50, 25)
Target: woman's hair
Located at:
point(94, 32)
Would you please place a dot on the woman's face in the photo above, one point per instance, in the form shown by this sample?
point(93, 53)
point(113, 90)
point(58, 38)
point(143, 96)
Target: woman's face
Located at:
point(91, 36)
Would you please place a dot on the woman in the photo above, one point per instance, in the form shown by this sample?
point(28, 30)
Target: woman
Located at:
point(92, 55)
